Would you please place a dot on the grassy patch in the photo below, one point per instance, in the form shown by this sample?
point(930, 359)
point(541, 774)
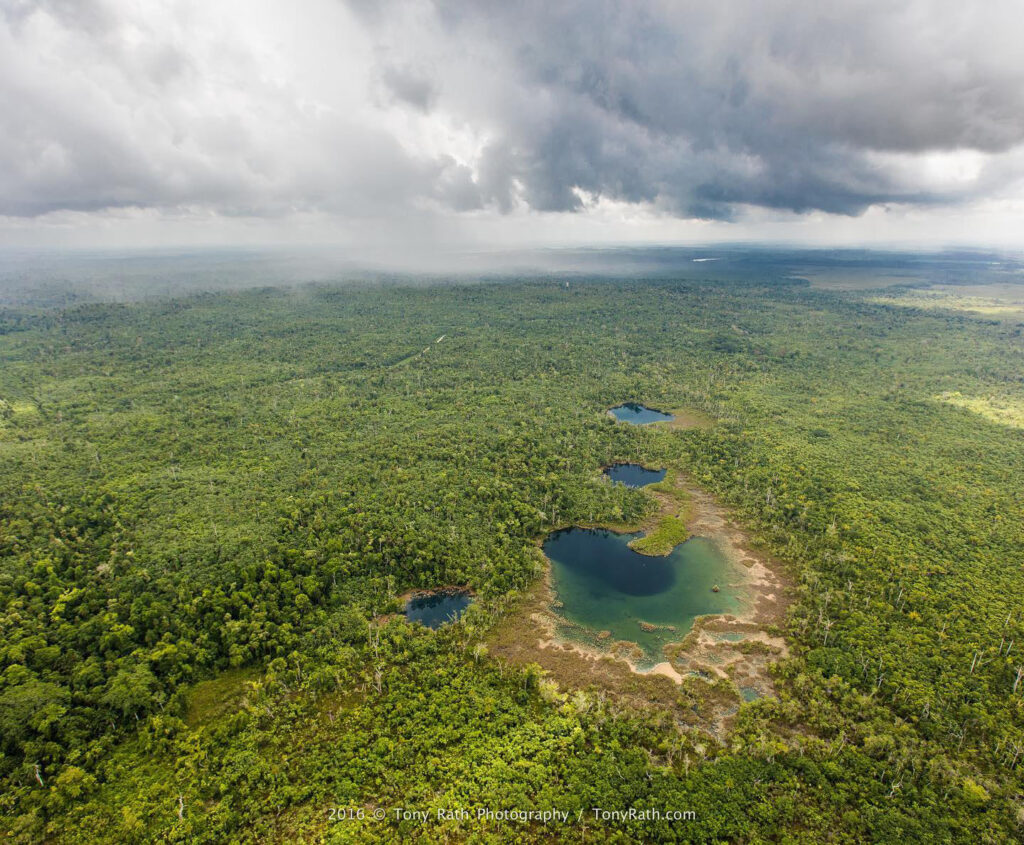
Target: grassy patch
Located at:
point(23, 410)
point(999, 409)
point(687, 418)
point(1005, 305)
point(217, 696)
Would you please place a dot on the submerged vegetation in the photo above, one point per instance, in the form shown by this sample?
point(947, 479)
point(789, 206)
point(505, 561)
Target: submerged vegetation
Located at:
point(211, 507)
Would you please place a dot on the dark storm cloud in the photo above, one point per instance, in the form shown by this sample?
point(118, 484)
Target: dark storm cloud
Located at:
point(692, 109)
point(698, 106)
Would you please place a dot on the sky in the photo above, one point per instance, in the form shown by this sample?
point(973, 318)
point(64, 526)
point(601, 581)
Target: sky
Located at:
point(404, 125)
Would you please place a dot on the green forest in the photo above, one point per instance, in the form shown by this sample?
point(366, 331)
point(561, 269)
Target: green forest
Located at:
point(211, 505)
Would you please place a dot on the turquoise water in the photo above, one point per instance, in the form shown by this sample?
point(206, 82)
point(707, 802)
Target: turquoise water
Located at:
point(634, 475)
point(632, 412)
point(603, 585)
point(437, 609)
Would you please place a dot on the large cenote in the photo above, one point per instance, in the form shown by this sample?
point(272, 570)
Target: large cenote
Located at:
point(609, 593)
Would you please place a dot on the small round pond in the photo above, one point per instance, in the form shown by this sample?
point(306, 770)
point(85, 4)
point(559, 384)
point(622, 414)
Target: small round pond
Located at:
point(437, 609)
point(634, 475)
point(637, 414)
point(607, 592)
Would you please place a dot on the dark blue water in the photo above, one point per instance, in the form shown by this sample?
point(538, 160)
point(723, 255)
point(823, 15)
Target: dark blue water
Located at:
point(634, 475)
point(603, 585)
point(437, 609)
point(608, 563)
point(632, 412)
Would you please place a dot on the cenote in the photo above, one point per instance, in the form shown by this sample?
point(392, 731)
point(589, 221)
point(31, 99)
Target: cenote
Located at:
point(437, 609)
point(602, 585)
point(637, 414)
point(634, 475)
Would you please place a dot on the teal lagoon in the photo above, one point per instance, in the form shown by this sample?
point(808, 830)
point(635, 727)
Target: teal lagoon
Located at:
point(603, 585)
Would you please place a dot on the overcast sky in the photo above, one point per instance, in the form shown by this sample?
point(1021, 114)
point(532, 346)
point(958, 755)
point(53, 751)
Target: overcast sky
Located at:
point(497, 122)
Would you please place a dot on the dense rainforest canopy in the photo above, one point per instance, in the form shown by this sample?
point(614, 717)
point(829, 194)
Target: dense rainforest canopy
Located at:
point(209, 507)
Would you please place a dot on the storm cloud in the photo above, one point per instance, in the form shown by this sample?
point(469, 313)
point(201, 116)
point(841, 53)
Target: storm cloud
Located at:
point(687, 109)
point(699, 107)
